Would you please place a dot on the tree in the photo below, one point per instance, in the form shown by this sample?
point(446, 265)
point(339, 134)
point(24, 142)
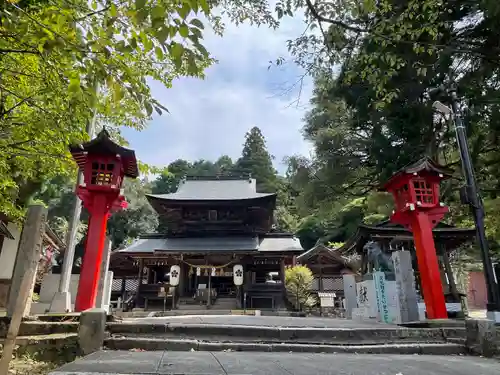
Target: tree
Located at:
point(256, 161)
point(298, 284)
point(138, 218)
point(62, 60)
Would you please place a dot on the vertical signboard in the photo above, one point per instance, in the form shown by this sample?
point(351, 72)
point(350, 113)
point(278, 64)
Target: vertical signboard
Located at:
point(381, 296)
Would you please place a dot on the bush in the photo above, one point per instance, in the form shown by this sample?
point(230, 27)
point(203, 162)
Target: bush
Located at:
point(298, 284)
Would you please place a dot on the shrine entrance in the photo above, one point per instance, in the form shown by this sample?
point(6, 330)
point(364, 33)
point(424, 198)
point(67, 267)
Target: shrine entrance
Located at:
point(219, 279)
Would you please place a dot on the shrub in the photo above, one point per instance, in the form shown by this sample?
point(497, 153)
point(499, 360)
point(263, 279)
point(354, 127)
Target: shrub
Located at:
point(298, 284)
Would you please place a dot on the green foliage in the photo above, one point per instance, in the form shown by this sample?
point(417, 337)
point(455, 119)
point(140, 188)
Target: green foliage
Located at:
point(338, 221)
point(298, 284)
point(62, 61)
point(373, 115)
point(138, 218)
point(257, 162)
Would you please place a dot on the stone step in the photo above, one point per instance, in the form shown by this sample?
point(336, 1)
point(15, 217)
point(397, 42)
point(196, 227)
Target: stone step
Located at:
point(208, 332)
point(155, 344)
point(36, 328)
point(52, 347)
point(184, 312)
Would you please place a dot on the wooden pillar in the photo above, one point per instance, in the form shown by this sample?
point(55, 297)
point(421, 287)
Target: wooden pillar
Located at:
point(282, 271)
point(149, 275)
point(123, 288)
point(139, 282)
point(449, 274)
point(321, 288)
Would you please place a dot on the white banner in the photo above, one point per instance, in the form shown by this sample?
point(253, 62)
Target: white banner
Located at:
point(175, 274)
point(238, 274)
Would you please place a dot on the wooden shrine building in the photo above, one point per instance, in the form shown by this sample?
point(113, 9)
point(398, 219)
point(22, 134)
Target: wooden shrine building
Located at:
point(390, 237)
point(328, 266)
point(209, 225)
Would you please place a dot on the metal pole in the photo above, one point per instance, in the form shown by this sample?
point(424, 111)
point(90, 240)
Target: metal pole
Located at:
point(476, 205)
point(62, 299)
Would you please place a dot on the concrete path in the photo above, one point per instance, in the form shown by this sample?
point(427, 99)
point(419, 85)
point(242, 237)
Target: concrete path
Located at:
point(234, 363)
point(269, 321)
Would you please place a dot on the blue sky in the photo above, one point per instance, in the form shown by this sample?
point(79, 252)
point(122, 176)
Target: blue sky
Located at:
point(209, 118)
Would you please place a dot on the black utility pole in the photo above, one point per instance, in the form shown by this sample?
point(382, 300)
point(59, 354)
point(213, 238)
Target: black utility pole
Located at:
point(470, 195)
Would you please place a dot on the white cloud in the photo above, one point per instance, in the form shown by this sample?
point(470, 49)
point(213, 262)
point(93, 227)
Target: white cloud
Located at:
point(209, 118)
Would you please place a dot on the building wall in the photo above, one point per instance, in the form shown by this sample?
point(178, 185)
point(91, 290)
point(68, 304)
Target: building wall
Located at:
point(9, 252)
point(7, 262)
point(476, 295)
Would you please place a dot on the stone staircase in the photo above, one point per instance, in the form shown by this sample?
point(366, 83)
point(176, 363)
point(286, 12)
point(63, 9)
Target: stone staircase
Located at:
point(49, 339)
point(182, 336)
point(189, 304)
point(225, 303)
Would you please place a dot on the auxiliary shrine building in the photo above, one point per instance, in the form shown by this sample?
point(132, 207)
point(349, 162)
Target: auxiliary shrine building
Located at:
point(210, 225)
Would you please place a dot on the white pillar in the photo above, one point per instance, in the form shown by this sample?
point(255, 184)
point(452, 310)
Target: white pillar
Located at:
point(349, 294)
point(101, 290)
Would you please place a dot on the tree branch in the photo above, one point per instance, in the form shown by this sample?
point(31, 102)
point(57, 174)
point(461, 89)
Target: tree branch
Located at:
point(321, 18)
point(19, 51)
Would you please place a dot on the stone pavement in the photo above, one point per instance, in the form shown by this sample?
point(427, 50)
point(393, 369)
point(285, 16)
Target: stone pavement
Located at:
point(260, 321)
point(237, 363)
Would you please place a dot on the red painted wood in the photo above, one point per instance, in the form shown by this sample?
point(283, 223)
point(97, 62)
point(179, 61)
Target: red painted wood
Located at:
point(92, 258)
point(428, 266)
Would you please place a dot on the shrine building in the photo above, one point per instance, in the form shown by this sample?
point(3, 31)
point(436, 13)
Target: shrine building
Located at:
point(209, 225)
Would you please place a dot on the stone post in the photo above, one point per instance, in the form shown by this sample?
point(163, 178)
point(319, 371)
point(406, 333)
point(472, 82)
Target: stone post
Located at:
point(349, 294)
point(100, 302)
point(482, 337)
point(28, 255)
point(92, 330)
point(106, 297)
point(405, 287)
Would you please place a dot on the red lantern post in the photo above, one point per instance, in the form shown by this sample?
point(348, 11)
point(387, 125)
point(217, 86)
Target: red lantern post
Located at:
point(416, 193)
point(104, 165)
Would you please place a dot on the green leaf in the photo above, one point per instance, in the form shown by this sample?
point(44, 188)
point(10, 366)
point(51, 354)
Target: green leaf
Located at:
point(184, 31)
point(159, 53)
point(113, 11)
point(196, 22)
point(184, 10)
point(74, 85)
point(149, 108)
point(162, 34)
point(177, 51)
point(204, 6)
point(139, 4)
point(158, 12)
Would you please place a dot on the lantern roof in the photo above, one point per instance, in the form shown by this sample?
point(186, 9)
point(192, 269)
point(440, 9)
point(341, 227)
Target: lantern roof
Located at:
point(104, 145)
point(425, 164)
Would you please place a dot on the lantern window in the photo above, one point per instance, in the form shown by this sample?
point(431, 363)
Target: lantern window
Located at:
point(403, 195)
point(423, 191)
point(102, 174)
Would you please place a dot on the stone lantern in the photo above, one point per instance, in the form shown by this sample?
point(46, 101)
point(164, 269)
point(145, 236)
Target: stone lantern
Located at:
point(104, 165)
point(415, 189)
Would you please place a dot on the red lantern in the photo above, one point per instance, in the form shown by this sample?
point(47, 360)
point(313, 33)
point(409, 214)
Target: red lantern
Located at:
point(415, 189)
point(104, 165)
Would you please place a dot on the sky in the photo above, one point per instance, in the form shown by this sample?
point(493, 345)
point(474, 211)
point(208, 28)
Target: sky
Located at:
point(209, 118)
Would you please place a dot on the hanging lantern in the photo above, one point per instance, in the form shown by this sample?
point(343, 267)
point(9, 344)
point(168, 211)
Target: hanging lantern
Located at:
point(198, 271)
point(213, 271)
point(175, 273)
point(238, 274)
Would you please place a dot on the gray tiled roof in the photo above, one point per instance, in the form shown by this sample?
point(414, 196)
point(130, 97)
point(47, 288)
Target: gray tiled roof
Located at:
point(214, 190)
point(280, 244)
point(203, 244)
point(148, 245)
